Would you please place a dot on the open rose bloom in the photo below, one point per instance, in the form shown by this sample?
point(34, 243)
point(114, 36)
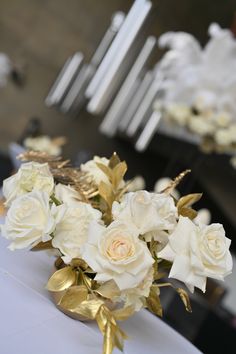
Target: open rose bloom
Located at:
point(111, 244)
point(199, 88)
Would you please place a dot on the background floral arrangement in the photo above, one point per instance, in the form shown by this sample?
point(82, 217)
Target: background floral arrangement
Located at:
point(199, 88)
point(114, 247)
point(43, 143)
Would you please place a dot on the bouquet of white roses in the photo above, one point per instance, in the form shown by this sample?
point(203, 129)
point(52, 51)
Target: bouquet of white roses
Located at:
point(114, 247)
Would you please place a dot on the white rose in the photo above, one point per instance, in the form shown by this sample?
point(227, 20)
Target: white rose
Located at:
point(94, 171)
point(66, 194)
point(201, 125)
point(180, 113)
point(198, 252)
point(223, 119)
point(148, 212)
point(29, 220)
point(136, 296)
point(71, 232)
point(42, 143)
point(31, 176)
point(117, 253)
point(224, 137)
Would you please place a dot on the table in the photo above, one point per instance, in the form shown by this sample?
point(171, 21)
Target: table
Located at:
point(30, 323)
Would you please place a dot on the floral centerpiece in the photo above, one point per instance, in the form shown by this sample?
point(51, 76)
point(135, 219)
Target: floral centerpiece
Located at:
point(44, 143)
point(199, 87)
point(114, 247)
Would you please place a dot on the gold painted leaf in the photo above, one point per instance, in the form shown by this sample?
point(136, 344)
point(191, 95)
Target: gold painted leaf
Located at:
point(188, 212)
point(108, 339)
point(113, 336)
point(62, 279)
point(188, 200)
point(123, 313)
point(79, 263)
point(105, 169)
point(108, 290)
point(43, 246)
point(184, 205)
point(106, 193)
point(114, 160)
point(89, 308)
point(175, 182)
point(73, 297)
point(153, 301)
point(160, 275)
point(185, 298)
point(118, 173)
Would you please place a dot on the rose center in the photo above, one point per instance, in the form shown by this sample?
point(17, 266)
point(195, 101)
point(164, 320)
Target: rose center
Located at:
point(215, 245)
point(120, 249)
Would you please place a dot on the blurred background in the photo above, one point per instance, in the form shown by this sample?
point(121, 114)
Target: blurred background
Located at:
point(39, 37)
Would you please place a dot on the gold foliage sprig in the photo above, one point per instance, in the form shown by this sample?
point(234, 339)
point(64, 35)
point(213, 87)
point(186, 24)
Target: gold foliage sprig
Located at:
point(175, 182)
point(64, 173)
point(115, 172)
point(184, 205)
point(81, 296)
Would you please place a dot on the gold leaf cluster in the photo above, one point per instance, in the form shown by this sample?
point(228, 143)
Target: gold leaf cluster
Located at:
point(184, 205)
point(109, 192)
point(81, 295)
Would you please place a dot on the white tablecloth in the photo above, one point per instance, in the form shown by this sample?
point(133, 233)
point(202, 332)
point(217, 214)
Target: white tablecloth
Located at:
point(30, 323)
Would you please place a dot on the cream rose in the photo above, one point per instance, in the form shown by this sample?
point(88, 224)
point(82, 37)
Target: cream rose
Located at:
point(224, 137)
point(198, 252)
point(66, 195)
point(180, 113)
point(31, 176)
point(29, 220)
point(71, 232)
point(201, 125)
point(94, 171)
point(136, 296)
point(148, 212)
point(43, 143)
point(117, 253)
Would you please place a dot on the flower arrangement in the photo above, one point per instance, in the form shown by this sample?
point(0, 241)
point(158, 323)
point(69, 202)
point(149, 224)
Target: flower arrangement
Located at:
point(44, 143)
point(114, 247)
point(199, 88)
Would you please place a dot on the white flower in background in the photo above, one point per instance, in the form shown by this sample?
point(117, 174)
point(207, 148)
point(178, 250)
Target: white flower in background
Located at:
point(43, 143)
point(198, 252)
point(116, 252)
point(136, 184)
point(94, 171)
point(163, 183)
point(179, 112)
point(148, 212)
point(200, 125)
point(29, 220)
point(5, 69)
point(224, 137)
point(66, 195)
point(223, 119)
point(203, 217)
point(200, 78)
point(30, 176)
point(72, 224)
